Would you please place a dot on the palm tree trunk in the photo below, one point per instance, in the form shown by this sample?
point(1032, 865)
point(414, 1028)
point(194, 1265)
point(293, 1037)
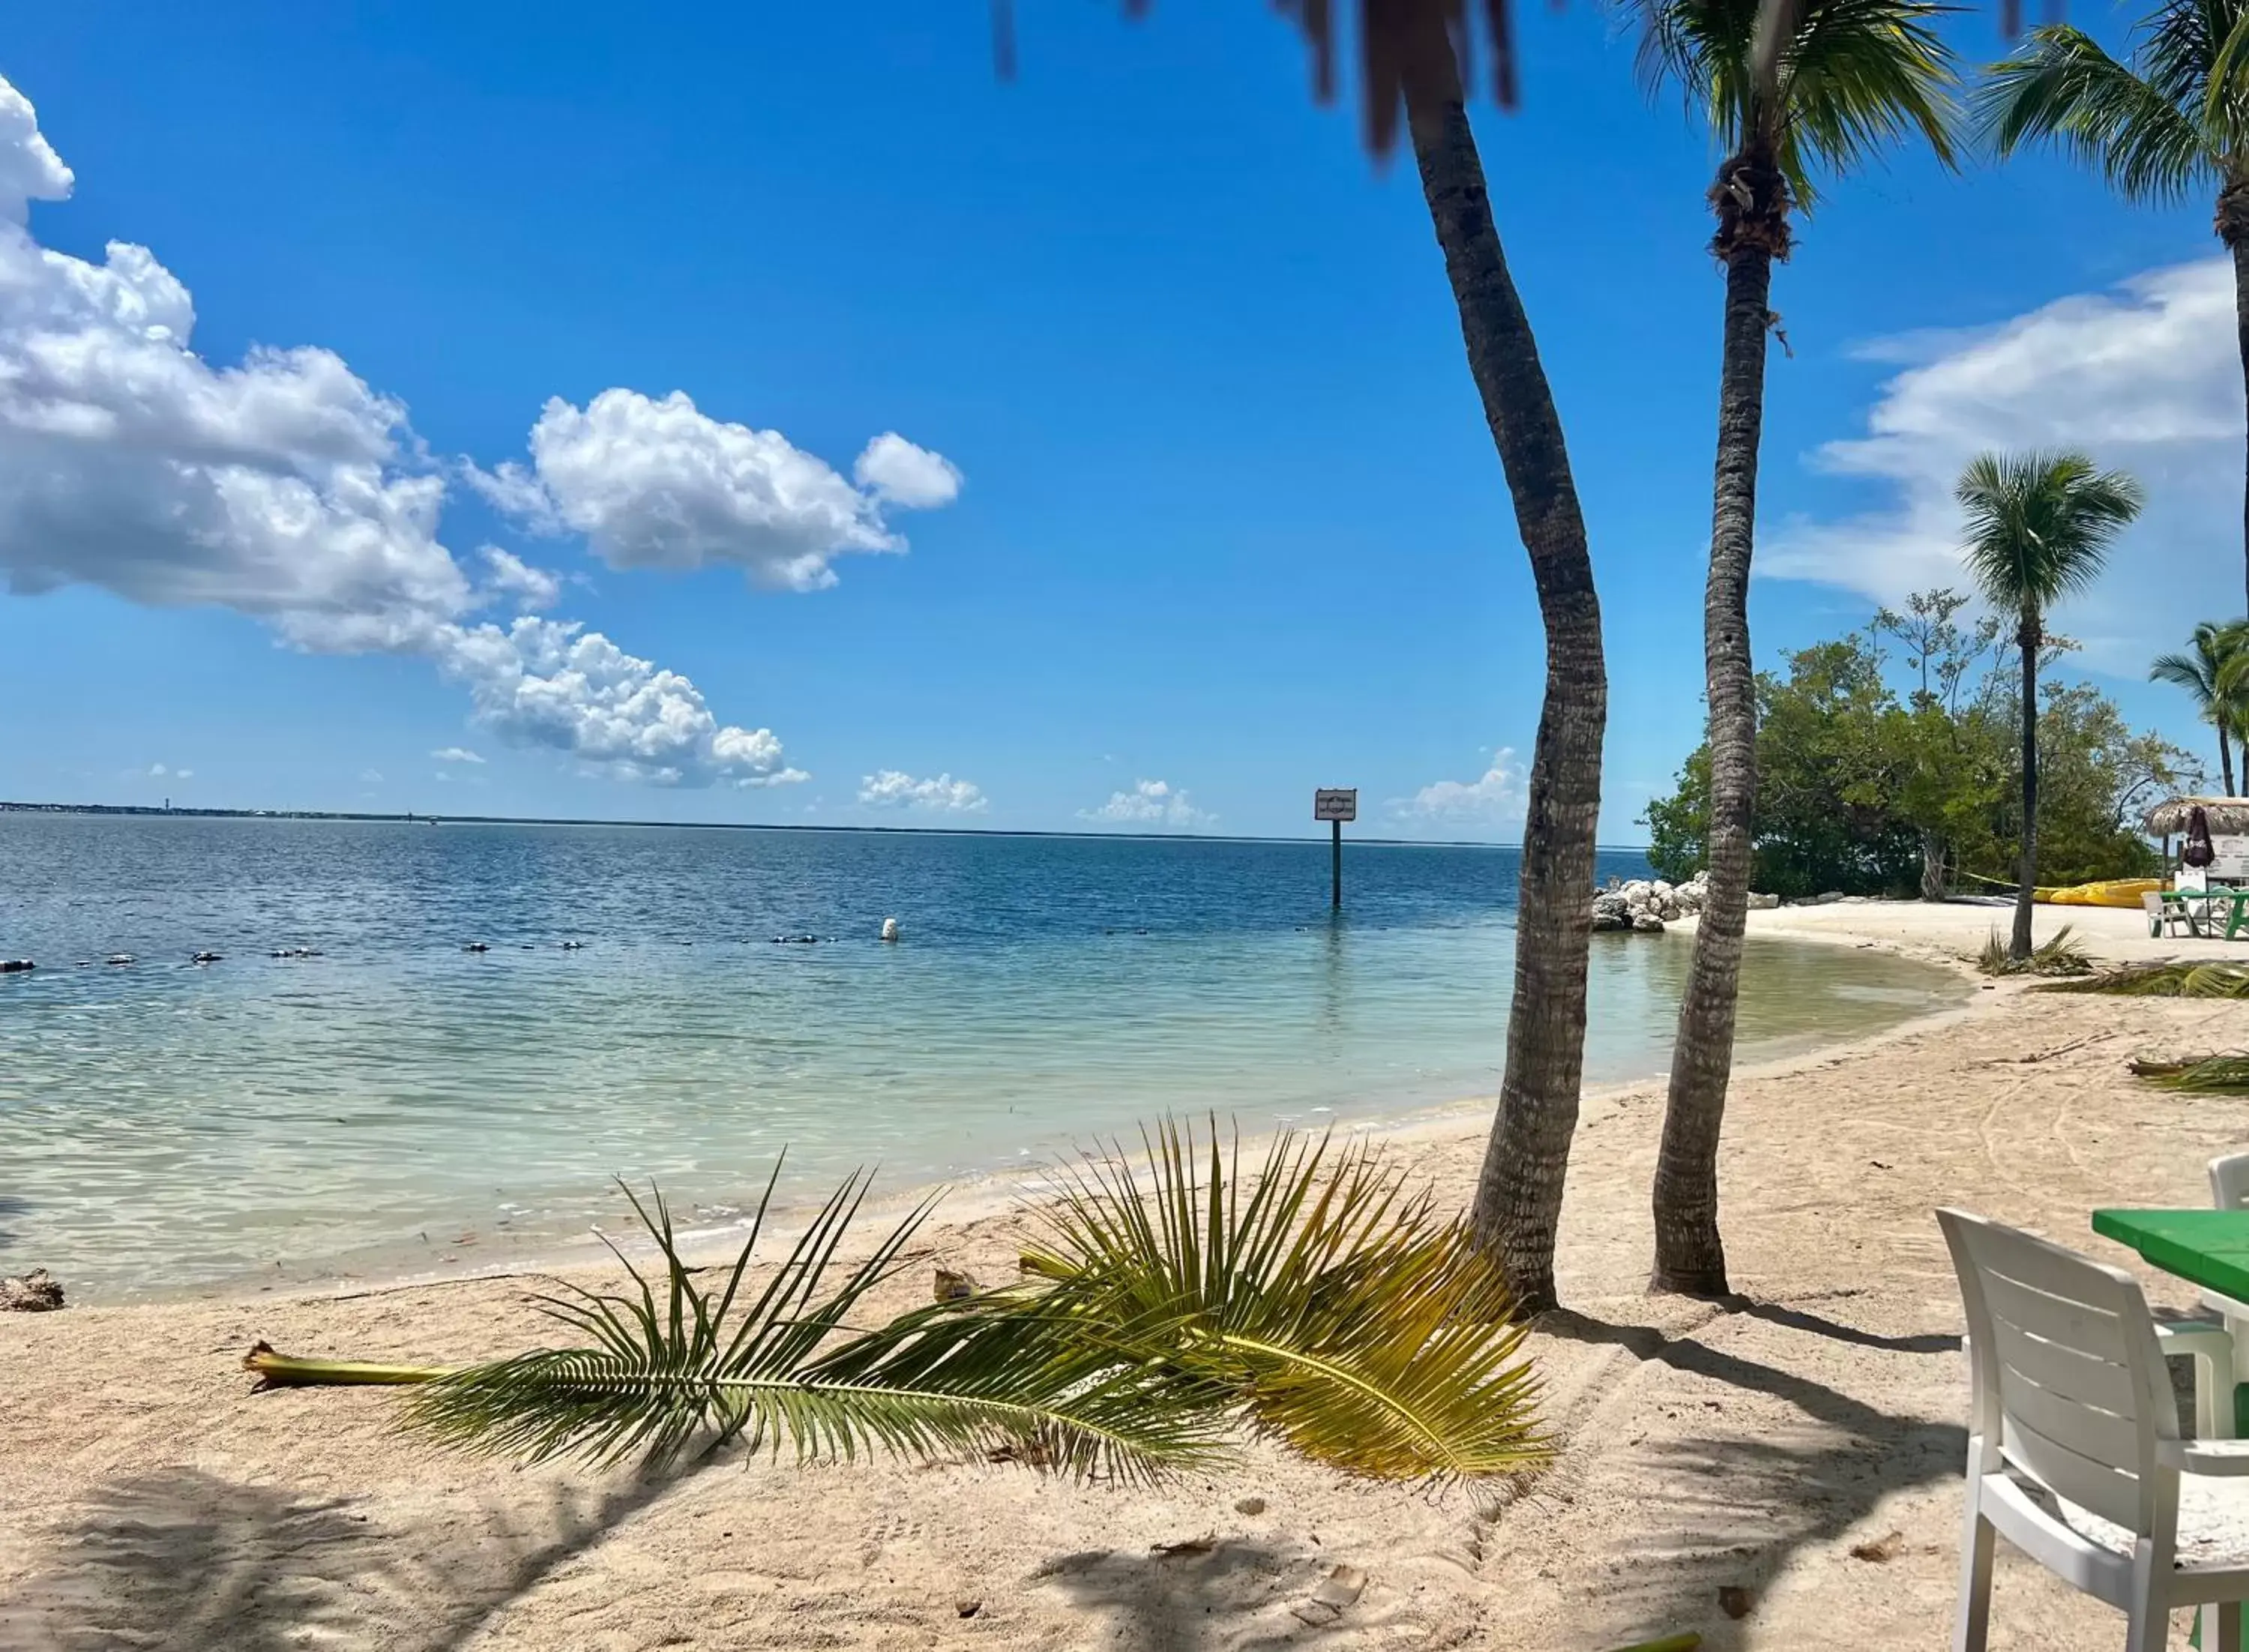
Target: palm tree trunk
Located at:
point(2226, 755)
point(2233, 225)
point(2020, 947)
point(1518, 1201)
point(1689, 1257)
point(1932, 864)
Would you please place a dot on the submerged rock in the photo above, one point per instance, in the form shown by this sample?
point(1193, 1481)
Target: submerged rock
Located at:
point(16, 966)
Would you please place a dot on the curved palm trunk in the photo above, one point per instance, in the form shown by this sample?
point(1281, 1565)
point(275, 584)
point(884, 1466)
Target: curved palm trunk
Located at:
point(1519, 1195)
point(1689, 1257)
point(2019, 946)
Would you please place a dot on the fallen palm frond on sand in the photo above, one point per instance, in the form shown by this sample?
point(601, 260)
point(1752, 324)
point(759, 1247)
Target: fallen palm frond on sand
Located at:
point(1163, 1309)
point(2201, 1075)
point(2175, 978)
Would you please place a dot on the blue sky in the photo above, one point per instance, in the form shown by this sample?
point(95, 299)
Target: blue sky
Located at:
point(1197, 507)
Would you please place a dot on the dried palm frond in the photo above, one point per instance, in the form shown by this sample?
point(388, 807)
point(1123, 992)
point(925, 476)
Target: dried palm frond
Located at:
point(2061, 956)
point(2204, 1075)
point(2178, 979)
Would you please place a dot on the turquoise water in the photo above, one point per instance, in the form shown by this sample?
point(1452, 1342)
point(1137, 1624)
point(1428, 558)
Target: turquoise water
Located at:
point(396, 1101)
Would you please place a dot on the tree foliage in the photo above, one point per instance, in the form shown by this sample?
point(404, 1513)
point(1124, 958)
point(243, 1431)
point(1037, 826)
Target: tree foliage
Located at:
point(1867, 750)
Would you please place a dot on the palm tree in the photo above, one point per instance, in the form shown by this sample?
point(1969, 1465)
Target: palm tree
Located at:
point(1518, 1203)
point(1842, 80)
point(2215, 674)
point(1323, 1306)
point(2174, 121)
point(2040, 527)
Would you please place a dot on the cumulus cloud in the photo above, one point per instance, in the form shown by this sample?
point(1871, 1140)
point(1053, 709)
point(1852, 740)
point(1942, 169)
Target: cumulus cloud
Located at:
point(29, 170)
point(895, 789)
point(1152, 803)
point(659, 484)
point(548, 682)
point(1493, 798)
point(509, 575)
point(2145, 376)
point(158, 771)
point(285, 488)
point(456, 754)
point(899, 473)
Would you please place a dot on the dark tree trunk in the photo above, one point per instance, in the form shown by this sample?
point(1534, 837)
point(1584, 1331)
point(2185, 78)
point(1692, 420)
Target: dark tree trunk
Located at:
point(1932, 864)
point(2233, 225)
point(2226, 755)
point(2020, 947)
point(1519, 1196)
point(1689, 1256)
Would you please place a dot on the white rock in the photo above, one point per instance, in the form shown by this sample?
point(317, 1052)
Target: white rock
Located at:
point(1647, 924)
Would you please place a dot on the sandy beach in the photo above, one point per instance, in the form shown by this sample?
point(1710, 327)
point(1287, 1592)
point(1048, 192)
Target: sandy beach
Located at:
point(1804, 1447)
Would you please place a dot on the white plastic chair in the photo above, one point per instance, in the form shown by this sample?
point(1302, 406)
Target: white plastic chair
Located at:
point(2229, 1181)
point(2073, 1448)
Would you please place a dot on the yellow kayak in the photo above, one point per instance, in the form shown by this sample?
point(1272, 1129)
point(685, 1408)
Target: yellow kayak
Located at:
point(2117, 892)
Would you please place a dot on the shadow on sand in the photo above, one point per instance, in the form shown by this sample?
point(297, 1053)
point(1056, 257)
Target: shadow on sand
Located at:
point(185, 1561)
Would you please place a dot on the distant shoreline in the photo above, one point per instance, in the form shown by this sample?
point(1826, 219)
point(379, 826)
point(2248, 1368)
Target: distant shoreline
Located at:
point(7, 808)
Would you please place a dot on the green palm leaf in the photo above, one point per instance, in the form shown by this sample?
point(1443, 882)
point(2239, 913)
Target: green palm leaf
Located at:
point(2147, 135)
point(1322, 1302)
point(2040, 525)
point(1349, 1322)
point(663, 1372)
point(1850, 77)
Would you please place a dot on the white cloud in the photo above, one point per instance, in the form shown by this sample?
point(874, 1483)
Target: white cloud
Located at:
point(1494, 798)
point(894, 789)
point(371, 776)
point(286, 489)
point(456, 754)
point(158, 770)
point(549, 683)
point(1152, 803)
point(662, 484)
point(510, 575)
point(29, 170)
point(901, 474)
point(183, 774)
point(2146, 377)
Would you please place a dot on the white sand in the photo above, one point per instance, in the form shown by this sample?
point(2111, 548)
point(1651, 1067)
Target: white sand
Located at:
point(148, 1500)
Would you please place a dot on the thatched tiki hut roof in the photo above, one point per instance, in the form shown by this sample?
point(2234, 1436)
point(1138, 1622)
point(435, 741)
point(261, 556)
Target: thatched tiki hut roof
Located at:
point(2226, 815)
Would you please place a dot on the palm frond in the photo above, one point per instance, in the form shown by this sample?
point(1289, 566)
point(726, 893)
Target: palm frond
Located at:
point(1323, 1303)
point(1352, 1323)
point(2201, 1075)
point(2040, 525)
point(2174, 979)
point(2062, 955)
point(664, 1371)
point(2061, 86)
point(1851, 78)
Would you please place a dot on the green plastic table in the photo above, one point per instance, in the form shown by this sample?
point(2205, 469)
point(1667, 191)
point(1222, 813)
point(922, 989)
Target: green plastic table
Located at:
point(2208, 1247)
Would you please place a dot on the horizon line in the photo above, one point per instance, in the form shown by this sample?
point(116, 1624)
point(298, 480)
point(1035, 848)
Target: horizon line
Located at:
point(8, 806)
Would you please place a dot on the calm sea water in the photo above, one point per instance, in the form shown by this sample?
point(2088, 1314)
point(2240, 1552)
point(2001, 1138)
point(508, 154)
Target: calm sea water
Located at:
point(398, 1101)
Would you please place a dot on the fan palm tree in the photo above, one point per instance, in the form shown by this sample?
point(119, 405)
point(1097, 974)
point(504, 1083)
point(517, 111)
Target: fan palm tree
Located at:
point(2214, 671)
point(2039, 527)
point(1840, 80)
point(1320, 1303)
point(2174, 119)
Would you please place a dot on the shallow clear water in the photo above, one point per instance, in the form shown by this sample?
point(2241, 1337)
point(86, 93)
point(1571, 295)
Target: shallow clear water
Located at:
point(165, 1124)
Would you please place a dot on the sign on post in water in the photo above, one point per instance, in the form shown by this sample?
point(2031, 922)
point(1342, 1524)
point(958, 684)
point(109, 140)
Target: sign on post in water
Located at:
point(1336, 805)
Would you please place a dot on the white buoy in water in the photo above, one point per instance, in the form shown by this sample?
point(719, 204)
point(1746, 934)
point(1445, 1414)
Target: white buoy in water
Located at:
point(890, 929)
